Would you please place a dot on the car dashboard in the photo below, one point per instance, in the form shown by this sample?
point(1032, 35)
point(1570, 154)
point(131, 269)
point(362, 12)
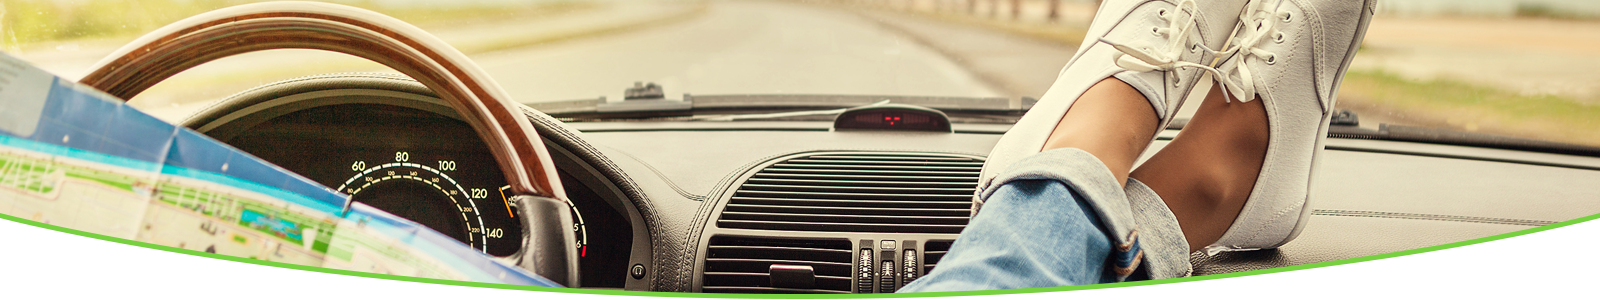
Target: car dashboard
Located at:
point(796, 207)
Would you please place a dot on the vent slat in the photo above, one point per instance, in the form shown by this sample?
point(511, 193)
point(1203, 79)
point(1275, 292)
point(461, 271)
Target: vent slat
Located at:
point(760, 280)
point(740, 264)
point(933, 252)
point(876, 167)
point(893, 157)
point(872, 172)
point(855, 189)
point(841, 227)
point(853, 202)
point(844, 251)
point(863, 183)
point(874, 178)
point(778, 261)
point(829, 218)
point(865, 192)
point(764, 290)
point(848, 196)
point(883, 163)
point(765, 275)
point(762, 265)
point(853, 210)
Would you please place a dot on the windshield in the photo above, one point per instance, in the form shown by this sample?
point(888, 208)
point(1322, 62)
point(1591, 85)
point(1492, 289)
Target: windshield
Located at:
point(1516, 68)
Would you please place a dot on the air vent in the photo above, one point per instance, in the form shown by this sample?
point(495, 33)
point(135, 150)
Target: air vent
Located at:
point(932, 252)
point(858, 192)
point(742, 264)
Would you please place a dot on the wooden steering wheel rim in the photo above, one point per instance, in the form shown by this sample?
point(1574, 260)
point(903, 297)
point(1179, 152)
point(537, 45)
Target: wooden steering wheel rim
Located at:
point(196, 40)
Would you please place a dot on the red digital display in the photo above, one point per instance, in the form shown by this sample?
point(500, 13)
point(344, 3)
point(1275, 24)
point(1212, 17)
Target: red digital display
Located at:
point(893, 118)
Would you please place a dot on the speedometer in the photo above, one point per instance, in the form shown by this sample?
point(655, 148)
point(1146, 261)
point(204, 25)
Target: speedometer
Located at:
point(415, 164)
point(423, 188)
point(389, 186)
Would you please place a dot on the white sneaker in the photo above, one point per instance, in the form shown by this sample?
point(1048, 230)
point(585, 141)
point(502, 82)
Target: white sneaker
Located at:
point(1293, 55)
point(1159, 47)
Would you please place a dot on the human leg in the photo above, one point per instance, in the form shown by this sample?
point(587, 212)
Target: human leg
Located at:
point(1048, 223)
point(1111, 121)
point(1239, 176)
point(1139, 60)
point(1060, 243)
point(1207, 171)
point(1104, 109)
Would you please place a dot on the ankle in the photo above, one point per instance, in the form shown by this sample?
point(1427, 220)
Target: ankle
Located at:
point(1111, 121)
point(1207, 173)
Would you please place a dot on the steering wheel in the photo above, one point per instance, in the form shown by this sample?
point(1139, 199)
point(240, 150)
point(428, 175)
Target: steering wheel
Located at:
point(512, 140)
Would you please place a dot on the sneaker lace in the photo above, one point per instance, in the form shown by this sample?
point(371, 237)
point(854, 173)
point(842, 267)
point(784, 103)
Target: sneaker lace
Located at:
point(1229, 68)
point(1177, 33)
point(1255, 25)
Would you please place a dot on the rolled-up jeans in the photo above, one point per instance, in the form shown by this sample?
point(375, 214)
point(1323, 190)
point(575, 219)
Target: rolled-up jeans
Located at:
point(1058, 218)
point(1032, 233)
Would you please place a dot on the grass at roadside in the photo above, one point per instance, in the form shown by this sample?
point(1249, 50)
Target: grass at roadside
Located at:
point(1469, 107)
point(30, 23)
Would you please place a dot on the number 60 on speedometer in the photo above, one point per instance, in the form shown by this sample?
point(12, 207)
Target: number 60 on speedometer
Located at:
point(421, 187)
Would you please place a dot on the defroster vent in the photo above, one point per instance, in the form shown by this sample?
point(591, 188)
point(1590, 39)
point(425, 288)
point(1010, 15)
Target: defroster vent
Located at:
point(858, 192)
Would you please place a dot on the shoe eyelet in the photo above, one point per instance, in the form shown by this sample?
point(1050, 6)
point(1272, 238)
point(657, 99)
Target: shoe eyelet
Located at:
point(1161, 12)
point(1288, 16)
point(1156, 31)
point(1272, 59)
point(1194, 49)
point(1277, 37)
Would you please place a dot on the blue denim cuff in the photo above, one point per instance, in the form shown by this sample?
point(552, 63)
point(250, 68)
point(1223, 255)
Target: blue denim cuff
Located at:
point(1085, 174)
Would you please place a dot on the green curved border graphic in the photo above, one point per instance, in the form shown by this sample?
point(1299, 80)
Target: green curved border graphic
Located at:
point(800, 296)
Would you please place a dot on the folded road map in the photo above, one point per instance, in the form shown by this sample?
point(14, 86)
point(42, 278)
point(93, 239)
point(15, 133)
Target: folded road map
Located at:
point(75, 157)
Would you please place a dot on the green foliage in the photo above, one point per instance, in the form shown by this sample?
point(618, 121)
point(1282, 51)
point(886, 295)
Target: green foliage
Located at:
point(1543, 10)
point(32, 21)
point(1474, 107)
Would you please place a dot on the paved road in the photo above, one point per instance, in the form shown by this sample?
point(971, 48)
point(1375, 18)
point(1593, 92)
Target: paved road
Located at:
point(737, 47)
point(734, 46)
